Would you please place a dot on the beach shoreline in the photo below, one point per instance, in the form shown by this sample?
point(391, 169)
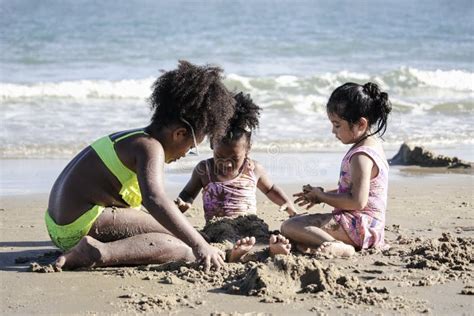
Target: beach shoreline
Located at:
point(422, 207)
point(22, 176)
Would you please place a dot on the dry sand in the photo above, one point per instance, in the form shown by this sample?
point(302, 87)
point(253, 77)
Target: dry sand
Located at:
point(429, 268)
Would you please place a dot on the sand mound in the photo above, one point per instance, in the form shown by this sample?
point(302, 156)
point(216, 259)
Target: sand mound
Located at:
point(192, 273)
point(281, 278)
point(287, 279)
point(445, 253)
point(288, 275)
point(224, 229)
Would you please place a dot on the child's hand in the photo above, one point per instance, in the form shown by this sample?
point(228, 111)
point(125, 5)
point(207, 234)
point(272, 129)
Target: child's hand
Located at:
point(183, 206)
point(309, 197)
point(210, 256)
point(307, 188)
point(289, 209)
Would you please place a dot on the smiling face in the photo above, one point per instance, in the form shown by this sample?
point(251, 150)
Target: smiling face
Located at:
point(347, 133)
point(229, 157)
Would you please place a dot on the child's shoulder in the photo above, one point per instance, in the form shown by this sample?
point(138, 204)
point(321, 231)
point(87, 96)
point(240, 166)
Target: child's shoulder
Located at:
point(204, 162)
point(373, 146)
point(256, 166)
point(373, 150)
point(202, 166)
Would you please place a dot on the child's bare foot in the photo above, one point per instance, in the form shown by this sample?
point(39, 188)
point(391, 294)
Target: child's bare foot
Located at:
point(279, 245)
point(84, 255)
point(241, 248)
point(336, 248)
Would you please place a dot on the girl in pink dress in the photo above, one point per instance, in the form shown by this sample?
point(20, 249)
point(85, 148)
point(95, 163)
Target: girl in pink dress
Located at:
point(357, 113)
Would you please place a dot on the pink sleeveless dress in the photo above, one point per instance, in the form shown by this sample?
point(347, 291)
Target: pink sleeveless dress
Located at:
point(233, 197)
point(365, 227)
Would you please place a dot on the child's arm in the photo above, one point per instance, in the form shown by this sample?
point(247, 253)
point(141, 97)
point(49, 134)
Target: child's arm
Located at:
point(272, 191)
point(191, 190)
point(150, 159)
point(356, 199)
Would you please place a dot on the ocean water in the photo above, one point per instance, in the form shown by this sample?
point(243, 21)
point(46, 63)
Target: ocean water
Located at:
point(72, 71)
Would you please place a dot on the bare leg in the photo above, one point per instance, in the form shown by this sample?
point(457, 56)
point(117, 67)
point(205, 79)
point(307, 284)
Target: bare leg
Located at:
point(119, 223)
point(241, 248)
point(125, 237)
point(307, 231)
point(279, 245)
point(140, 249)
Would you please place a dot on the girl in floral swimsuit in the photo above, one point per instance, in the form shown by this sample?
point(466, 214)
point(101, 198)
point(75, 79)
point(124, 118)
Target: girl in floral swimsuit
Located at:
point(360, 202)
point(229, 180)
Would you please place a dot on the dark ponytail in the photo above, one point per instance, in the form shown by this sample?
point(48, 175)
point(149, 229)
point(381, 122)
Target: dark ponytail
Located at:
point(352, 101)
point(244, 121)
point(380, 108)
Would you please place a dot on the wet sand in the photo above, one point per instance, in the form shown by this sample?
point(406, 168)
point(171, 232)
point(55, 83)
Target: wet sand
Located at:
point(429, 268)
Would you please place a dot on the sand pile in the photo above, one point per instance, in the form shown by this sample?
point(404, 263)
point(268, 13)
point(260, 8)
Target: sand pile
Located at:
point(281, 278)
point(427, 262)
point(411, 261)
point(229, 230)
point(277, 280)
point(288, 275)
point(445, 253)
point(174, 273)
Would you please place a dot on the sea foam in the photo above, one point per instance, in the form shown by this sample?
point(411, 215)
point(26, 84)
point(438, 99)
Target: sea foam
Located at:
point(319, 84)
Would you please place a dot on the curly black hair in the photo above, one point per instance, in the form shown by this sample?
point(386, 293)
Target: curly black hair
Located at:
point(195, 94)
point(245, 119)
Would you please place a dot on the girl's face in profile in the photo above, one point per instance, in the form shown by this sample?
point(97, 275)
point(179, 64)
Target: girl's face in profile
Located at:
point(345, 132)
point(182, 147)
point(229, 157)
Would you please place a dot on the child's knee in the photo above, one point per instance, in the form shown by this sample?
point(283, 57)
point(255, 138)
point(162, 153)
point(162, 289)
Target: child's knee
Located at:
point(288, 227)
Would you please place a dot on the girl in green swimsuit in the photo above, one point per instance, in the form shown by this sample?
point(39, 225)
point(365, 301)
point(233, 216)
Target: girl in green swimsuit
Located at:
point(92, 212)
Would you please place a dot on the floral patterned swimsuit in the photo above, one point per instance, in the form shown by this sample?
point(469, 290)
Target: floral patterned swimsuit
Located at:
point(365, 227)
point(233, 197)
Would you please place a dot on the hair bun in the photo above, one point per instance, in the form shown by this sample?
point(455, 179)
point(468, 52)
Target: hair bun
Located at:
point(383, 96)
point(372, 90)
